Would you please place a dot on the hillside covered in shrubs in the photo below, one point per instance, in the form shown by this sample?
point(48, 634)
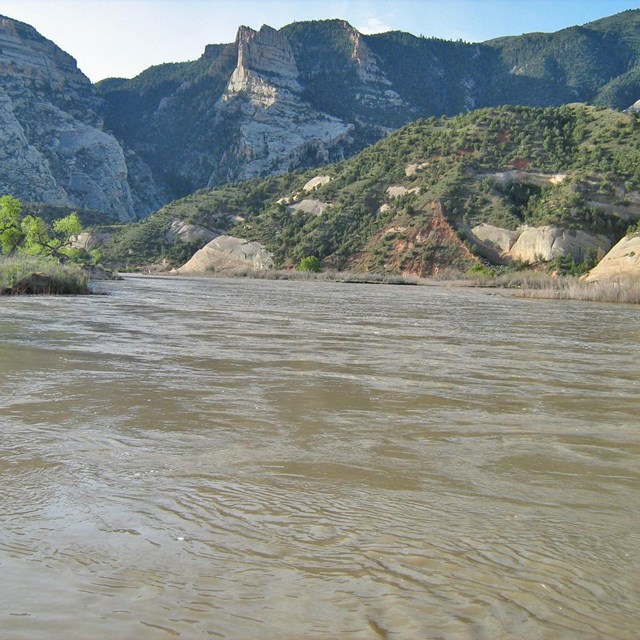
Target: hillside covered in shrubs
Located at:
point(410, 203)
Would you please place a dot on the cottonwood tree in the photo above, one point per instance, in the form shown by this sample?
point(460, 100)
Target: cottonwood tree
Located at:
point(11, 234)
point(30, 234)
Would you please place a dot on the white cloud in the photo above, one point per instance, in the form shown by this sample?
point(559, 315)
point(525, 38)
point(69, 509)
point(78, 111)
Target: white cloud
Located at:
point(374, 25)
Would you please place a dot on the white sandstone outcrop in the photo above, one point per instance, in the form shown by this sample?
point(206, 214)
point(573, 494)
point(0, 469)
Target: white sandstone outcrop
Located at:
point(621, 263)
point(88, 240)
point(412, 169)
point(316, 183)
point(24, 170)
point(396, 191)
point(181, 231)
point(266, 67)
point(375, 88)
point(494, 242)
point(546, 243)
point(226, 253)
point(310, 206)
point(505, 178)
point(533, 244)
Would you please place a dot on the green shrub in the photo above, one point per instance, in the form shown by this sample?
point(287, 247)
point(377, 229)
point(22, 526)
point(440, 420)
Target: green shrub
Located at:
point(632, 229)
point(310, 263)
point(568, 265)
point(481, 270)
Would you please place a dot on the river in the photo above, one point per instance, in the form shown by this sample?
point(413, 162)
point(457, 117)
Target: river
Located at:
point(195, 458)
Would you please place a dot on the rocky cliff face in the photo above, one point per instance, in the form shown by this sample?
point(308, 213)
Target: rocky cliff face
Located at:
point(52, 146)
point(275, 128)
point(266, 69)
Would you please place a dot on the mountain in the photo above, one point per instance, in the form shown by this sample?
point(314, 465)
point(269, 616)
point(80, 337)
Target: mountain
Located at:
point(316, 92)
point(506, 184)
point(53, 147)
point(598, 63)
point(302, 96)
point(240, 111)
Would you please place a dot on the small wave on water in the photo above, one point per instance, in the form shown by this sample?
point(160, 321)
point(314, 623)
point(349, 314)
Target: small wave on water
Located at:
point(231, 459)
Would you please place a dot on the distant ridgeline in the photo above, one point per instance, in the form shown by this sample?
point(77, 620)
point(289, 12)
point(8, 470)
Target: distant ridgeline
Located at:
point(505, 184)
point(303, 96)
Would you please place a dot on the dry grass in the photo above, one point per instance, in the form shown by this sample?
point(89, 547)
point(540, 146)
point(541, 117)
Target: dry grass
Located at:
point(532, 284)
point(324, 276)
point(627, 291)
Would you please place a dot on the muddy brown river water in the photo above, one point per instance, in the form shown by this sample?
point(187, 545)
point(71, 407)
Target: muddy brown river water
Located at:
point(261, 459)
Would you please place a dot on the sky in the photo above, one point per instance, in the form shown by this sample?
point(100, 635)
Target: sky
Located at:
point(121, 38)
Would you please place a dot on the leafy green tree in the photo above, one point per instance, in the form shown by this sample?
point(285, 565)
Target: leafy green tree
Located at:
point(55, 240)
point(32, 235)
point(11, 234)
point(310, 263)
point(35, 236)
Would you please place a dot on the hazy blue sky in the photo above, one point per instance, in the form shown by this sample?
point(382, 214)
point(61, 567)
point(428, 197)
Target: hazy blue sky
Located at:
point(123, 37)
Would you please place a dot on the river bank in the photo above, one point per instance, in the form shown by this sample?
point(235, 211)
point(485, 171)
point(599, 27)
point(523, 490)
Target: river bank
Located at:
point(34, 275)
point(27, 275)
point(533, 284)
point(526, 283)
point(30, 275)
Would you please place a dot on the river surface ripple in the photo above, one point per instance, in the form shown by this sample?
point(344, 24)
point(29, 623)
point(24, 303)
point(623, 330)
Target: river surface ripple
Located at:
point(261, 459)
